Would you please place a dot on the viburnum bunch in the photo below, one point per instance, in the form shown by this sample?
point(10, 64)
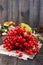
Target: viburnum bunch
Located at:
point(20, 39)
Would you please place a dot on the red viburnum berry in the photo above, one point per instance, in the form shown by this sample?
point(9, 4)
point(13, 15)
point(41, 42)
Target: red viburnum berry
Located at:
point(20, 39)
point(17, 51)
point(20, 54)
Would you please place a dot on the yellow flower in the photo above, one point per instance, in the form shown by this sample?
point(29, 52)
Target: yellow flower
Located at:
point(8, 23)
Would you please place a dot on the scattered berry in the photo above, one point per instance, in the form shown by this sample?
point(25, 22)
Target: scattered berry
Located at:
point(17, 51)
point(20, 54)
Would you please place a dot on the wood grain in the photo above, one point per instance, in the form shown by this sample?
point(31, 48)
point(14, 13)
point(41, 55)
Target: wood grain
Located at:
point(28, 11)
point(41, 11)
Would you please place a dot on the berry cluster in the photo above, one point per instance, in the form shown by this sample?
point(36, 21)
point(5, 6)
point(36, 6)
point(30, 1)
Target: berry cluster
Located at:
point(20, 39)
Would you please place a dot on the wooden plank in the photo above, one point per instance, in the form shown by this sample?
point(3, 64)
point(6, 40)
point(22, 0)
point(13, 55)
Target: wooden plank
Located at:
point(10, 6)
point(28, 62)
point(3, 11)
point(0, 12)
point(36, 12)
point(12, 9)
point(15, 9)
point(31, 13)
point(3, 59)
point(0, 40)
point(24, 10)
point(7, 60)
point(41, 11)
point(12, 61)
point(24, 5)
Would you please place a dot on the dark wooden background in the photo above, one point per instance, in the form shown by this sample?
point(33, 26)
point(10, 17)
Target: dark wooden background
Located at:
point(28, 11)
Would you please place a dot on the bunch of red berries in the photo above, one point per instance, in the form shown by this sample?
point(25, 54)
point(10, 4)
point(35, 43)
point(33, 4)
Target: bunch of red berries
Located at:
point(20, 39)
